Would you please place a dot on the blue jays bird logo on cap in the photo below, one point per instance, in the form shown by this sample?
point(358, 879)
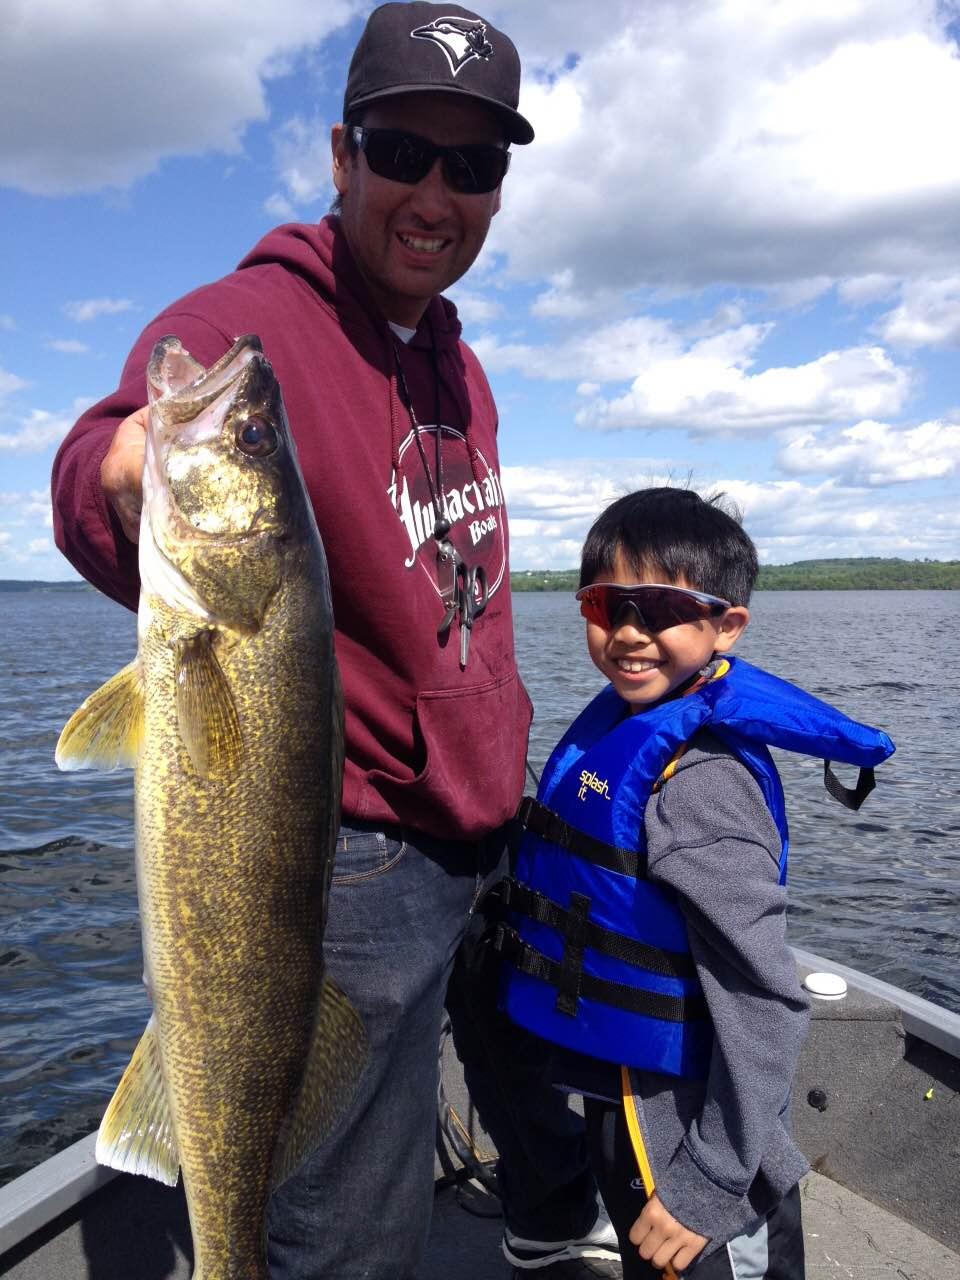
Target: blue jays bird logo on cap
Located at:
point(461, 39)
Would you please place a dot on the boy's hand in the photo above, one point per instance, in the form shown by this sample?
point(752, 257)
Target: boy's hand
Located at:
point(660, 1238)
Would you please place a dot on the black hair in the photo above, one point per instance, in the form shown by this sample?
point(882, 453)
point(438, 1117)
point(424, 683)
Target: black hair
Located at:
point(674, 535)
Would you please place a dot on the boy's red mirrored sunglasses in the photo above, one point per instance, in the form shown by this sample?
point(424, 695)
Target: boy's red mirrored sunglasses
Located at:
point(659, 606)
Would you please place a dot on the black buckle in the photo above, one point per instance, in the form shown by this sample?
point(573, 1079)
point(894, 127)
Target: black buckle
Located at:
point(524, 810)
point(506, 941)
point(506, 891)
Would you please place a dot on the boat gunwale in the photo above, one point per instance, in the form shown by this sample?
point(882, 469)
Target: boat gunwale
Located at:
point(33, 1200)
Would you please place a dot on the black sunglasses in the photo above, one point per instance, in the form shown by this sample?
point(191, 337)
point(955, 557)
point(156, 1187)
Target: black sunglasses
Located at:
point(472, 169)
point(659, 606)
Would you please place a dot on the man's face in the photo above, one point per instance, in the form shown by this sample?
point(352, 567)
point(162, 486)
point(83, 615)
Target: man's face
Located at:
point(413, 241)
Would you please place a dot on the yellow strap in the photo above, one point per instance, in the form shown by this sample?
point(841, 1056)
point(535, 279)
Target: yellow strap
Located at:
point(633, 1128)
point(639, 1146)
point(670, 768)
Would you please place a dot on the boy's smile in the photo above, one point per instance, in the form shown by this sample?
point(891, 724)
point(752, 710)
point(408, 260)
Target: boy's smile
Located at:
point(645, 666)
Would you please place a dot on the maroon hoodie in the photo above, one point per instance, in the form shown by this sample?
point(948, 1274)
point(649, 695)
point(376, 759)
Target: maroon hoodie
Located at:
point(428, 745)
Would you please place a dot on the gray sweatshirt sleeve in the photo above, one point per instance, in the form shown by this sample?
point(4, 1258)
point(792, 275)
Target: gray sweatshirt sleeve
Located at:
point(712, 841)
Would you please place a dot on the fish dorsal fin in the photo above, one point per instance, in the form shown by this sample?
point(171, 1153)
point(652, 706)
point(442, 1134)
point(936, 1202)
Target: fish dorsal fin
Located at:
point(334, 1065)
point(136, 1132)
point(106, 730)
point(206, 714)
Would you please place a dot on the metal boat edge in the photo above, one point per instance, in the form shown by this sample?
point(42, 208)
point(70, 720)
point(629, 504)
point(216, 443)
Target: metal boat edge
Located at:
point(61, 1183)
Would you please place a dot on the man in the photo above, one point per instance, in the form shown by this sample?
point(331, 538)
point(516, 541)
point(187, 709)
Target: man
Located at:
point(395, 428)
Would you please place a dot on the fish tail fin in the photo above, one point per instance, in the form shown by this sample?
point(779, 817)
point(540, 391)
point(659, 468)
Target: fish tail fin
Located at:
point(106, 730)
point(334, 1065)
point(136, 1132)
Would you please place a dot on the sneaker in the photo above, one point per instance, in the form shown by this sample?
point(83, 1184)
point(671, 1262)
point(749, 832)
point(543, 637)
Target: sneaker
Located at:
point(529, 1255)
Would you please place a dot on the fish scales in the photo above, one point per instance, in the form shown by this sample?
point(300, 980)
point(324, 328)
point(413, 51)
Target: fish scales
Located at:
point(252, 1053)
point(233, 890)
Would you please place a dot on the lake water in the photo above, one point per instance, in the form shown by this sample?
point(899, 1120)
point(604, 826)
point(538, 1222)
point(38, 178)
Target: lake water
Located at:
point(878, 890)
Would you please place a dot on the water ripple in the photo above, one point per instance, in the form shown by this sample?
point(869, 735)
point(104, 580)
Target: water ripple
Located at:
point(879, 891)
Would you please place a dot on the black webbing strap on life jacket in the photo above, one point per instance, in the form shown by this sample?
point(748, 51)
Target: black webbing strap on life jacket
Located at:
point(572, 983)
point(849, 797)
point(536, 817)
point(518, 897)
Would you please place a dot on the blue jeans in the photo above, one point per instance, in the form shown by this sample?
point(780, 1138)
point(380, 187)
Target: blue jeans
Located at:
point(360, 1206)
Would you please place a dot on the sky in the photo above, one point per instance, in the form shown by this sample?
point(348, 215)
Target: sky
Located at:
point(731, 258)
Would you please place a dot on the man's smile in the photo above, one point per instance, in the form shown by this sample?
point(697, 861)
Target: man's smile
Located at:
point(422, 244)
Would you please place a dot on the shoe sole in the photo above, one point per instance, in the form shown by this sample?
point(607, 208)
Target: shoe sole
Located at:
point(528, 1261)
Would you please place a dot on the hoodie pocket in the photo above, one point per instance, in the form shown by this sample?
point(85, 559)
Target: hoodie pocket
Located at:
point(475, 748)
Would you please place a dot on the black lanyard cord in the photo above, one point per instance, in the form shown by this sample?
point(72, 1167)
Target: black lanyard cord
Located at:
point(441, 525)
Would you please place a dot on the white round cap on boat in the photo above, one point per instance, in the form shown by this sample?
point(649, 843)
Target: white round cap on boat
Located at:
point(825, 986)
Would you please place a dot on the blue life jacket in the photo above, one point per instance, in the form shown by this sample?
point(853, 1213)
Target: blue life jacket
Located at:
point(596, 957)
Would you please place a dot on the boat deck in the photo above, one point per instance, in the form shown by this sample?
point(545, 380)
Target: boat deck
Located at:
point(129, 1233)
point(876, 1107)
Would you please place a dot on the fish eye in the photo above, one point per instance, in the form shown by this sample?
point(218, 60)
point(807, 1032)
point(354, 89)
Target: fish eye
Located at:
point(257, 438)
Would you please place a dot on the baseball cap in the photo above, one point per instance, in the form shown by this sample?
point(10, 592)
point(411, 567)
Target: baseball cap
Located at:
point(417, 47)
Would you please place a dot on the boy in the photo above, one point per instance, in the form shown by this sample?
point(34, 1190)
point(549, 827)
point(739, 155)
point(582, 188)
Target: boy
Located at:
point(647, 915)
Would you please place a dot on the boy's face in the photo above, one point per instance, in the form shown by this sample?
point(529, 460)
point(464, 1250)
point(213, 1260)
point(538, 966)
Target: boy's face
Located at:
point(645, 666)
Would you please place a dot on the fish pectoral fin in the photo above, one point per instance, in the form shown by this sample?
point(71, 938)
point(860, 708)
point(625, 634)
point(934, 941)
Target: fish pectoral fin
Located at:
point(106, 730)
point(334, 1066)
point(136, 1133)
point(206, 713)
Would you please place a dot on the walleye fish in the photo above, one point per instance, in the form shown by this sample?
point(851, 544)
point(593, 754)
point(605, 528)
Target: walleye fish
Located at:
point(232, 718)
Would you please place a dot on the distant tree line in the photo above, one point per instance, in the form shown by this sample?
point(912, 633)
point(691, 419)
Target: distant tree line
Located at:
point(867, 573)
point(26, 584)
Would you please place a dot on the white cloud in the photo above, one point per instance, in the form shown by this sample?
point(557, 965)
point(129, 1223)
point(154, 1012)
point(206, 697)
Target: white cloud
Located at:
point(704, 384)
point(796, 295)
point(739, 142)
point(279, 208)
point(704, 391)
point(36, 433)
point(792, 521)
point(129, 83)
point(928, 315)
point(858, 291)
point(874, 453)
point(68, 346)
point(552, 506)
point(611, 353)
point(302, 158)
point(92, 308)
point(565, 300)
point(473, 307)
point(26, 543)
point(7, 323)
point(17, 508)
point(9, 382)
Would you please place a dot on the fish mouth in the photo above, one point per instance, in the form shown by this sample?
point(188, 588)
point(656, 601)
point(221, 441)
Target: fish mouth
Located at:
point(181, 390)
point(185, 534)
point(185, 386)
